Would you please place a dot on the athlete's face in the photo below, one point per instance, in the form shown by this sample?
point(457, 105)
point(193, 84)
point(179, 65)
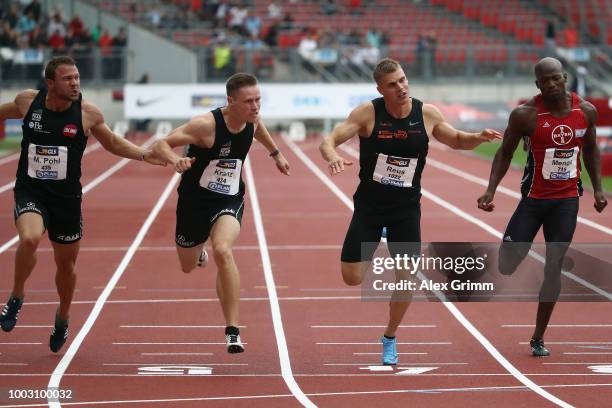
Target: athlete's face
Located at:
point(67, 83)
point(551, 82)
point(246, 102)
point(394, 87)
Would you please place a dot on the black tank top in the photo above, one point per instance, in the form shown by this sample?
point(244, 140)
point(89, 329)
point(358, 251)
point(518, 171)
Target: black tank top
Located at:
point(391, 160)
point(217, 172)
point(51, 150)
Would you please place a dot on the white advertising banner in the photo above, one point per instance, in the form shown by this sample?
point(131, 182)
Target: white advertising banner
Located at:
point(279, 101)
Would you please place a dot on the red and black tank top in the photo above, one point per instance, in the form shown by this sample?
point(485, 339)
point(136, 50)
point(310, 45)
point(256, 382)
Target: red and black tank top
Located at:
point(553, 162)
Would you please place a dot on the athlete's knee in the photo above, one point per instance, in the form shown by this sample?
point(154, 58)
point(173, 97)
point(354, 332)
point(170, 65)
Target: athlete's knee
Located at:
point(223, 254)
point(29, 241)
point(510, 256)
point(351, 274)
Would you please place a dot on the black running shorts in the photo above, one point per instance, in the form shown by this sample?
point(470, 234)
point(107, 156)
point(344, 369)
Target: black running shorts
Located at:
point(401, 228)
point(195, 218)
point(61, 217)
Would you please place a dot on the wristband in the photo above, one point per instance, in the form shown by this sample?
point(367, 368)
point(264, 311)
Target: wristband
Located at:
point(275, 153)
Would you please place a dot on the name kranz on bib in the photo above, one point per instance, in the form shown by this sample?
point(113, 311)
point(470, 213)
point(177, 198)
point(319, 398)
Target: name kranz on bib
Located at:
point(222, 176)
point(560, 164)
point(47, 162)
point(394, 171)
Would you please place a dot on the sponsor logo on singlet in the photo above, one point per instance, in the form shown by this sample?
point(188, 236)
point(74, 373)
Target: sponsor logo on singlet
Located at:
point(70, 130)
point(47, 150)
point(227, 164)
point(398, 162)
point(562, 134)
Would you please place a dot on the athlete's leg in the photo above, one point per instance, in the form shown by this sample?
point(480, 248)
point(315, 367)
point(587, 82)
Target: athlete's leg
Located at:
point(65, 278)
point(559, 227)
point(30, 228)
point(520, 232)
point(223, 235)
point(188, 257)
point(358, 249)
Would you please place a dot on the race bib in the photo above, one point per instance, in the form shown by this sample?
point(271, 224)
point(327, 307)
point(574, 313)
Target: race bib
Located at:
point(47, 162)
point(394, 171)
point(222, 176)
point(560, 164)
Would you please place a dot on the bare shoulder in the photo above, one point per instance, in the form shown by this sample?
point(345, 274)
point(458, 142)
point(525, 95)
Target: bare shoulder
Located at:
point(525, 111)
point(24, 98)
point(91, 110)
point(362, 113)
point(201, 124)
point(589, 110)
point(432, 111)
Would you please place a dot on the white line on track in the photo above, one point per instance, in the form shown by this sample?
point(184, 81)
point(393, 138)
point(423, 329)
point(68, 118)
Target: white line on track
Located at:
point(376, 363)
point(176, 354)
point(90, 186)
point(172, 364)
point(412, 326)
point(281, 342)
point(487, 345)
point(320, 394)
point(429, 343)
point(175, 327)
point(557, 325)
point(60, 369)
point(572, 342)
point(593, 353)
point(19, 344)
point(166, 343)
point(378, 353)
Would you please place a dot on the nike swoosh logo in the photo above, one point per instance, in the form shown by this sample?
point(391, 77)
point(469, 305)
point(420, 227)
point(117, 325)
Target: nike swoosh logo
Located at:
point(147, 102)
point(413, 123)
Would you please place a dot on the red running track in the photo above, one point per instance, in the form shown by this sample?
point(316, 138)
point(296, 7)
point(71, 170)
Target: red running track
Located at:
point(158, 339)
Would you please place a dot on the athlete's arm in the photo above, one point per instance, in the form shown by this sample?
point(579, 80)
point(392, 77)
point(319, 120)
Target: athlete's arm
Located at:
point(445, 133)
point(263, 136)
point(355, 124)
point(19, 106)
point(93, 122)
point(200, 131)
point(521, 122)
point(590, 155)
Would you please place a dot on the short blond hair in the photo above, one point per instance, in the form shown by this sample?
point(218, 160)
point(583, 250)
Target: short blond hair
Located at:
point(385, 66)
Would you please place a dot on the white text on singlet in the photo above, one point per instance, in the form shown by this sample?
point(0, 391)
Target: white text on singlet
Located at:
point(47, 162)
point(394, 171)
point(560, 164)
point(222, 176)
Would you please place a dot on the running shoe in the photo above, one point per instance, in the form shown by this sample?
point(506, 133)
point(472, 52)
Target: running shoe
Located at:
point(203, 259)
point(234, 345)
point(389, 356)
point(58, 337)
point(10, 313)
point(538, 349)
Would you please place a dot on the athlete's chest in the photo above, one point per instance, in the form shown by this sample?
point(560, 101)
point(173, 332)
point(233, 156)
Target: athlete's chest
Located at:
point(551, 131)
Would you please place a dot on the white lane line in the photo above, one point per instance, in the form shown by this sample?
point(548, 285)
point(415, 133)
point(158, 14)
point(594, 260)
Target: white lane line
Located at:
point(10, 158)
point(173, 249)
point(574, 363)
point(172, 364)
point(176, 354)
point(60, 369)
point(498, 234)
point(487, 345)
point(515, 194)
point(281, 342)
point(11, 184)
point(20, 344)
point(33, 326)
point(429, 343)
point(591, 353)
point(377, 354)
point(556, 325)
point(167, 343)
point(14, 364)
point(174, 327)
point(91, 185)
point(377, 363)
point(320, 394)
point(572, 342)
point(412, 326)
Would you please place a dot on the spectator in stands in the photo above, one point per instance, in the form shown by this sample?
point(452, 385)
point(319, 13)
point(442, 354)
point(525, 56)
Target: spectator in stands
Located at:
point(307, 47)
point(570, 35)
point(26, 25)
point(237, 17)
point(120, 40)
point(252, 25)
point(56, 42)
point(271, 35)
point(8, 37)
point(12, 16)
point(579, 83)
point(253, 43)
point(287, 23)
point(355, 7)
point(77, 25)
point(37, 38)
point(35, 8)
point(329, 7)
point(56, 24)
point(221, 15)
point(143, 124)
point(222, 59)
point(275, 11)
point(550, 38)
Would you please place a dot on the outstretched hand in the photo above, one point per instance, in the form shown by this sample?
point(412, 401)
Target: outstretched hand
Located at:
point(336, 165)
point(183, 164)
point(282, 164)
point(490, 134)
point(485, 202)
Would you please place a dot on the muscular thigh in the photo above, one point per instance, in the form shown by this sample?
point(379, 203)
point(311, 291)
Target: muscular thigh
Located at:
point(526, 221)
point(361, 230)
point(560, 222)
